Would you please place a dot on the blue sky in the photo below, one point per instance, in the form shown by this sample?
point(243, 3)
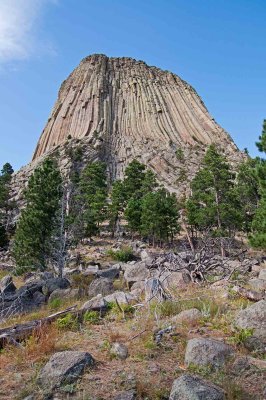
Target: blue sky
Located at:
point(218, 46)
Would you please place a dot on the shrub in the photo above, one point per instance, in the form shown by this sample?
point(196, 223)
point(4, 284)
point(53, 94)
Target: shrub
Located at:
point(68, 322)
point(241, 335)
point(55, 304)
point(123, 255)
point(179, 154)
point(91, 316)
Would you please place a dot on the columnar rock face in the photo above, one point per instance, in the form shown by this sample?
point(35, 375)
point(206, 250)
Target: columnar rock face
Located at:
point(123, 109)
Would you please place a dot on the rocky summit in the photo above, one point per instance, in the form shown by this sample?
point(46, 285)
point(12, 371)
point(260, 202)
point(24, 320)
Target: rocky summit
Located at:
point(123, 109)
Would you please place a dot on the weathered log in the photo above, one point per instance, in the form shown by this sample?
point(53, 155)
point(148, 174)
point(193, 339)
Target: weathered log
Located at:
point(16, 333)
point(248, 294)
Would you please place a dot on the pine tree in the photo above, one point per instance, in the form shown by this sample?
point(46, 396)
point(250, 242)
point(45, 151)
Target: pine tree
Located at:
point(117, 205)
point(159, 217)
point(93, 197)
point(134, 177)
point(32, 247)
point(5, 204)
point(214, 204)
point(258, 237)
point(247, 187)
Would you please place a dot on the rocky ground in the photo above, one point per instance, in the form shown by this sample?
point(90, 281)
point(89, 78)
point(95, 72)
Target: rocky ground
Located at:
point(149, 328)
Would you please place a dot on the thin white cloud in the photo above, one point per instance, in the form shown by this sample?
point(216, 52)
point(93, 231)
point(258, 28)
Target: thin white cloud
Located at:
point(19, 36)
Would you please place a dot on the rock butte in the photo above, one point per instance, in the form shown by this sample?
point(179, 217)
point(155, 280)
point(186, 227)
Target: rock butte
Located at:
point(119, 109)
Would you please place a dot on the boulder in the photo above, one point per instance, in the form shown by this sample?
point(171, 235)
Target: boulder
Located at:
point(102, 286)
point(207, 352)
point(120, 297)
point(110, 273)
point(119, 350)
point(69, 293)
point(262, 274)
point(7, 285)
point(63, 368)
point(257, 284)
point(97, 303)
point(253, 317)
point(191, 387)
point(38, 299)
point(174, 280)
point(50, 285)
point(91, 270)
point(187, 317)
point(252, 343)
point(138, 288)
point(136, 272)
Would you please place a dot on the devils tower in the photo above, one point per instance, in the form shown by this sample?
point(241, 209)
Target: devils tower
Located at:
point(121, 109)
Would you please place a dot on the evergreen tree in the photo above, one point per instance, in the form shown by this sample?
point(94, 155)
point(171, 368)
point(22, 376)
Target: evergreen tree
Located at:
point(32, 247)
point(93, 197)
point(134, 177)
point(117, 205)
point(133, 213)
point(258, 237)
point(214, 204)
point(5, 205)
point(159, 217)
point(247, 187)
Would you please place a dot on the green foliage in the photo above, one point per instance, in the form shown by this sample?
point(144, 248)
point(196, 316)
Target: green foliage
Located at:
point(93, 197)
point(134, 177)
point(68, 322)
point(241, 335)
point(248, 190)
point(133, 214)
point(180, 154)
point(123, 255)
point(159, 216)
point(214, 205)
point(258, 236)
point(32, 242)
point(55, 304)
point(117, 205)
point(91, 316)
point(149, 210)
point(5, 205)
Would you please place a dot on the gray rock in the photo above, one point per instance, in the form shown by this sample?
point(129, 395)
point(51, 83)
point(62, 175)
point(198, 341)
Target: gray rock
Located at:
point(64, 368)
point(97, 303)
point(54, 283)
point(91, 270)
point(69, 293)
point(207, 352)
point(119, 350)
point(189, 317)
point(127, 395)
point(252, 343)
point(191, 387)
point(262, 274)
point(110, 273)
point(7, 285)
point(253, 317)
point(257, 284)
point(121, 297)
point(102, 286)
point(136, 272)
point(174, 280)
point(38, 298)
point(137, 288)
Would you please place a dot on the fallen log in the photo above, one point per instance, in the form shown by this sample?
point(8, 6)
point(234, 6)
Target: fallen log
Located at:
point(248, 294)
point(16, 333)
